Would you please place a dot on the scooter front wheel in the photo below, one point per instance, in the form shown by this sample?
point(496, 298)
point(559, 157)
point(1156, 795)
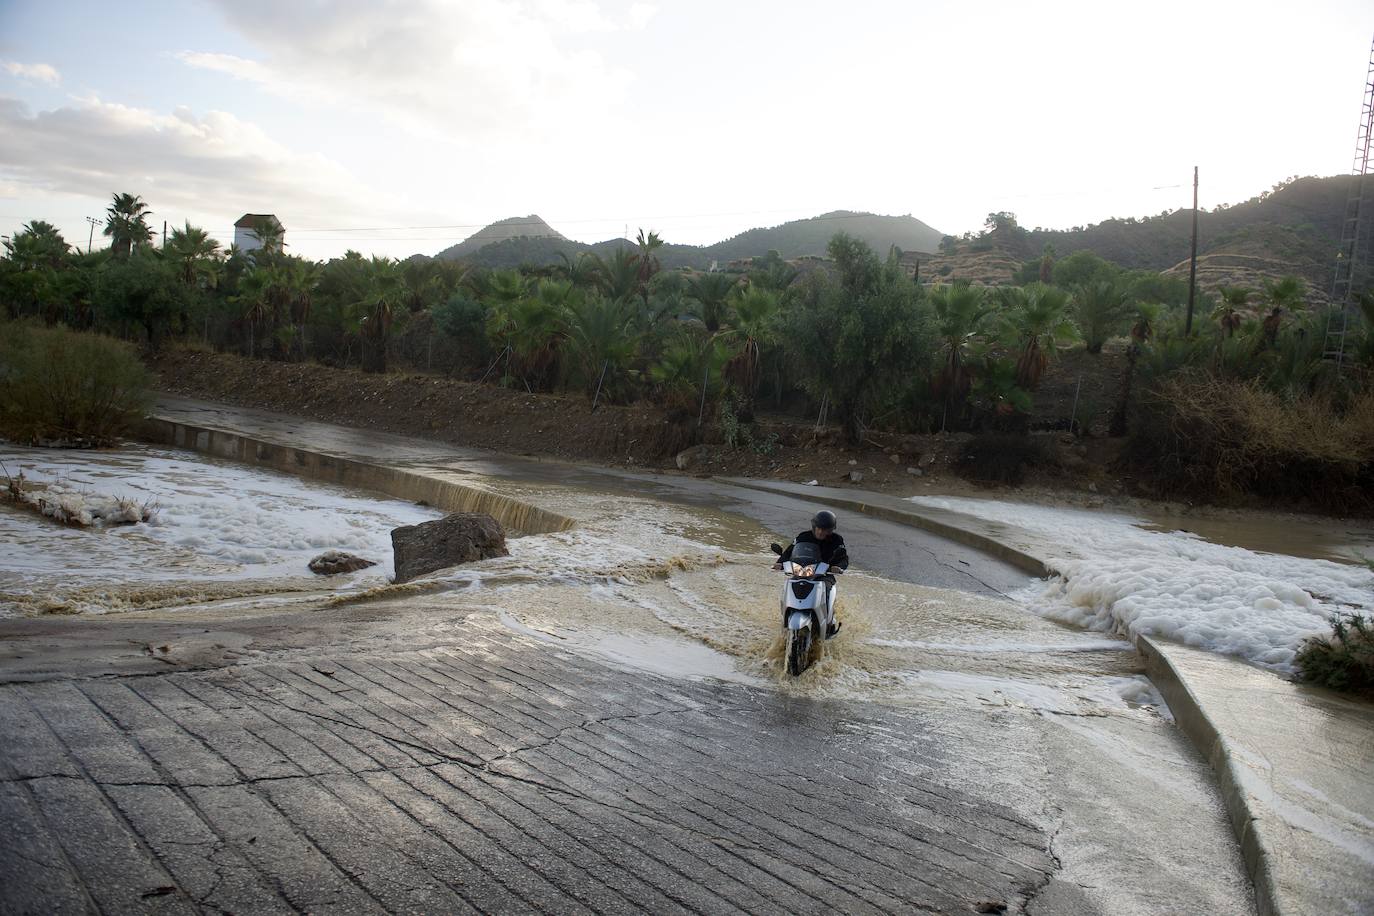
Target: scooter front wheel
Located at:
point(798, 650)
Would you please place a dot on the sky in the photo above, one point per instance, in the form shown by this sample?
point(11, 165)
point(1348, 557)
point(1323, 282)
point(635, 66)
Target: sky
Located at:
point(400, 127)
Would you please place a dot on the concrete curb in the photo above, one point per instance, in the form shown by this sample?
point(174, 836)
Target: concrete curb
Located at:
point(416, 486)
point(1192, 719)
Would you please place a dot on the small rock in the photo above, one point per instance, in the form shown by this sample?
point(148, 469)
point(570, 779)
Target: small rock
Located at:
point(333, 562)
point(1092, 488)
point(927, 461)
point(856, 476)
point(915, 472)
point(690, 457)
point(852, 462)
point(813, 483)
point(895, 458)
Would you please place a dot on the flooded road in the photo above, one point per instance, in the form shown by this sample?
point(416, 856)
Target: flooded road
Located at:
point(668, 581)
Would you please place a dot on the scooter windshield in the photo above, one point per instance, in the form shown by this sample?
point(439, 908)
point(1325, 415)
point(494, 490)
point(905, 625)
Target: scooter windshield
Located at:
point(805, 553)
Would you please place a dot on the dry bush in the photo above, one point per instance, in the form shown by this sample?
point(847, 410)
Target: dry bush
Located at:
point(61, 387)
point(1199, 436)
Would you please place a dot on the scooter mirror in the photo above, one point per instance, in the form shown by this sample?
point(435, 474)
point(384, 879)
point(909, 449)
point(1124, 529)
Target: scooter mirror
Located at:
point(776, 548)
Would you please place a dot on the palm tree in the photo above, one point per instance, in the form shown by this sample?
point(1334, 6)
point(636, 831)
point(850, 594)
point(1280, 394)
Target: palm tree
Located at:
point(382, 292)
point(582, 270)
point(532, 327)
point(618, 275)
point(271, 235)
point(300, 280)
point(37, 246)
point(648, 261)
point(755, 311)
point(423, 286)
point(1146, 315)
point(126, 224)
point(502, 287)
point(599, 339)
point(712, 292)
point(1100, 309)
point(251, 298)
point(195, 255)
point(35, 276)
point(1233, 298)
point(689, 371)
point(1286, 293)
point(960, 313)
point(1041, 323)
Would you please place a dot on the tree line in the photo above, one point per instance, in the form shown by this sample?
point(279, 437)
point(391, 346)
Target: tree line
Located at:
point(857, 339)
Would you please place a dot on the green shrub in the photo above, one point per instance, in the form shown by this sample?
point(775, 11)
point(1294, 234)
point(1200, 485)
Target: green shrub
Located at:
point(999, 458)
point(64, 387)
point(1345, 659)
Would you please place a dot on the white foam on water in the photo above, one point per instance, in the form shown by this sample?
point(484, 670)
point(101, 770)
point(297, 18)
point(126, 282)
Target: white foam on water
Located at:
point(1117, 577)
point(214, 520)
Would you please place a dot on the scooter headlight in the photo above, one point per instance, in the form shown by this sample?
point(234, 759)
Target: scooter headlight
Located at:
point(807, 572)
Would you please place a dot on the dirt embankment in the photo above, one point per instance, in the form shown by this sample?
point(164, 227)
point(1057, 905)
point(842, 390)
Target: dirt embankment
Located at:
point(565, 427)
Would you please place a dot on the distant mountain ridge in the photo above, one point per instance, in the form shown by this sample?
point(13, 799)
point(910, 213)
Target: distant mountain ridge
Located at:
point(1293, 228)
point(515, 227)
point(530, 240)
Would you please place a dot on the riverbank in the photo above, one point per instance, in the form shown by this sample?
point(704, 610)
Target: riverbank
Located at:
point(1077, 471)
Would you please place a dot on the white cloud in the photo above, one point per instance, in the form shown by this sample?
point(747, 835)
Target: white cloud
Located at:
point(457, 70)
point(32, 73)
point(237, 67)
point(641, 13)
point(214, 166)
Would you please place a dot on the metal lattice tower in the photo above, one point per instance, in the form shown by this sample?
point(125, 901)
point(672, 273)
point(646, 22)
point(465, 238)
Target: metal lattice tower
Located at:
point(1352, 260)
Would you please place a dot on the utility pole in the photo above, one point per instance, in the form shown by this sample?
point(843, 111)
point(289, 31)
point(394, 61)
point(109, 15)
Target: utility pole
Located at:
point(164, 229)
point(1192, 264)
point(90, 239)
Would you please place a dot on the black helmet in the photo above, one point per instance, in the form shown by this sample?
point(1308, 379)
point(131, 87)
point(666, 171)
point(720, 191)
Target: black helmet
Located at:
point(824, 519)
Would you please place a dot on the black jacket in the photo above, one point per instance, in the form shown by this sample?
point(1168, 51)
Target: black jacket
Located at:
point(832, 549)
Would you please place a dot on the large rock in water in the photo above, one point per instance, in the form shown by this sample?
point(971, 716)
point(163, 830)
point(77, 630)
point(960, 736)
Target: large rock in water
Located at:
point(449, 541)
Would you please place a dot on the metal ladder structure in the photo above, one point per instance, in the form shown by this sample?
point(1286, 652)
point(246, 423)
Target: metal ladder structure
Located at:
point(1352, 261)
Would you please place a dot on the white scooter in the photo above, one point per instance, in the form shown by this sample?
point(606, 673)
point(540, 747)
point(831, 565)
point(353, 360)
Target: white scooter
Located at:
point(808, 603)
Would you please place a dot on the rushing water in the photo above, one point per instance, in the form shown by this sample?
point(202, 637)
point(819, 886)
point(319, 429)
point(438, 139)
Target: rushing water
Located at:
point(1122, 574)
point(686, 592)
point(220, 530)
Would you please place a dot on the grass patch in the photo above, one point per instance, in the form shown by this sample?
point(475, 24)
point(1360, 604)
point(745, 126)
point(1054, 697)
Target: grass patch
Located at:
point(68, 388)
point(1345, 659)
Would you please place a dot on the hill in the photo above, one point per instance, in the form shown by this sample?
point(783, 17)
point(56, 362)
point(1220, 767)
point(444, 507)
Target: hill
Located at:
point(1292, 229)
point(521, 240)
point(808, 237)
point(516, 227)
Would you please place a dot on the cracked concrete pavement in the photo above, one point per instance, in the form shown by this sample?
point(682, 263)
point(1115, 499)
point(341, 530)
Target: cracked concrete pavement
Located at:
point(480, 777)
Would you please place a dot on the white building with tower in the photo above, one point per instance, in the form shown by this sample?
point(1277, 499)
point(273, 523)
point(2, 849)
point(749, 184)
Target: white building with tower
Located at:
point(246, 230)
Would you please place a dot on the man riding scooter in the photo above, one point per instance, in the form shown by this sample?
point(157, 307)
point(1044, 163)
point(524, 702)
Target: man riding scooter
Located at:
point(832, 551)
